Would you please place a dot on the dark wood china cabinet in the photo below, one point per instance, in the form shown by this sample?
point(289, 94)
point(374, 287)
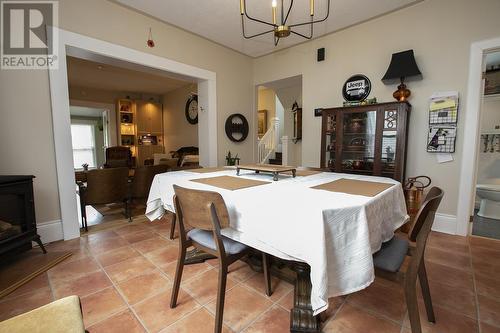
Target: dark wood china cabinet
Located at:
point(367, 139)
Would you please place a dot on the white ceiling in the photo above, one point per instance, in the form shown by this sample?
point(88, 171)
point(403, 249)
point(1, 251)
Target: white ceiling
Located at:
point(85, 73)
point(220, 20)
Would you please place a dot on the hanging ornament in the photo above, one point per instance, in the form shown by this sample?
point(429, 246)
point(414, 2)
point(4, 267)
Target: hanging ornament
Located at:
point(151, 42)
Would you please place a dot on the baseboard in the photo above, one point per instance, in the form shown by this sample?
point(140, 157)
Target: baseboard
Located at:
point(445, 223)
point(50, 231)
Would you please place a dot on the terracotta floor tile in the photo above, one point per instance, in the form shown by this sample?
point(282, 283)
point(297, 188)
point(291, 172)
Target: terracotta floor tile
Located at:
point(188, 272)
point(451, 259)
point(204, 287)
point(156, 314)
point(73, 270)
point(459, 300)
point(72, 244)
point(448, 275)
point(143, 286)
point(152, 244)
point(486, 267)
point(487, 285)
point(163, 256)
point(139, 236)
point(489, 310)
point(129, 268)
point(486, 328)
point(350, 319)
point(485, 253)
point(334, 304)
point(130, 229)
point(81, 286)
point(12, 307)
point(279, 287)
point(241, 307)
point(116, 256)
point(388, 302)
point(101, 305)
point(100, 236)
point(240, 271)
point(492, 244)
point(200, 321)
point(446, 321)
point(39, 283)
point(78, 254)
point(103, 246)
point(119, 323)
point(449, 243)
point(275, 320)
point(287, 301)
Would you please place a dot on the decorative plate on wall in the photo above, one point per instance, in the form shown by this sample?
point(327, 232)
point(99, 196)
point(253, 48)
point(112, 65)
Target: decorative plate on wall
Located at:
point(192, 110)
point(356, 88)
point(236, 127)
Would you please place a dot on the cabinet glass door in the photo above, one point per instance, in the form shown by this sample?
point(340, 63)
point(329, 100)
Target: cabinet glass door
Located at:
point(331, 134)
point(389, 146)
point(358, 142)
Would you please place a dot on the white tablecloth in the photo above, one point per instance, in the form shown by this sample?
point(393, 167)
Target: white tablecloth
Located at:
point(335, 233)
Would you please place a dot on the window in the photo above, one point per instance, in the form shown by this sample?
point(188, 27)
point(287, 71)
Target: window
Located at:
point(82, 136)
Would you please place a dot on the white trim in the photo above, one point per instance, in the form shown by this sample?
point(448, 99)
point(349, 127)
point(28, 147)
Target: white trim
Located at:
point(50, 231)
point(445, 223)
point(94, 49)
point(471, 133)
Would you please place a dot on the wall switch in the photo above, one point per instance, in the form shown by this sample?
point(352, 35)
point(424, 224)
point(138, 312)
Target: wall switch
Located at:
point(317, 112)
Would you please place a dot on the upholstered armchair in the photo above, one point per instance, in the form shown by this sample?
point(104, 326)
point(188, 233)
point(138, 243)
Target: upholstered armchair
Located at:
point(143, 177)
point(118, 156)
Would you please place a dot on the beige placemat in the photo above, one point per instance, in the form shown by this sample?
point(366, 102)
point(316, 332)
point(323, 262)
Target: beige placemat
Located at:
point(354, 186)
point(229, 182)
point(305, 173)
point(208, 170)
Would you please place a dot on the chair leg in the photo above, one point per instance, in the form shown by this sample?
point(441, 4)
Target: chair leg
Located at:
point(221, 295)
point(424, 284)
point(172, 227)
point(84, 216)
point(128, 211)
point(412, 305)
point(178, 276)
point(267, 274)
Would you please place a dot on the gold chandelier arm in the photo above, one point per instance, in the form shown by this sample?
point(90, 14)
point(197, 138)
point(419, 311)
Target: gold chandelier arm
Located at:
point(254, 19)
point(311, 32)
point(252, 36)
point(313, 22)
point(276, 40)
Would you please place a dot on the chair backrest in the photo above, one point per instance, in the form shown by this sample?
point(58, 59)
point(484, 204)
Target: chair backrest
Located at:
point(425, 216)
point(195, 206)
point(143, 177)
point(118, 156)
point(106, 185)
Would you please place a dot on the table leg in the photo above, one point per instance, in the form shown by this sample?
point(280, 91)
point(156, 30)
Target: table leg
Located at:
point(197, 256)
point(275, 176)
point(301, 316)
point(257, 171)
point(237, 171)
point(294, 173)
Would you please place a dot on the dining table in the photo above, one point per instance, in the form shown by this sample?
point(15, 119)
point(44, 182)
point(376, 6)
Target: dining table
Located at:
point(327, 224)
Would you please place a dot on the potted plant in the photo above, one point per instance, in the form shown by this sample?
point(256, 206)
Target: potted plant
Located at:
point(232, 160)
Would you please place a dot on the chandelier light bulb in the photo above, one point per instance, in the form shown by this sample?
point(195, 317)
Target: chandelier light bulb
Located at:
point(274, 4)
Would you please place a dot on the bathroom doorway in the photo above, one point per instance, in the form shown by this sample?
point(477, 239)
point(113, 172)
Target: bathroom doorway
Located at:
point(486, 219)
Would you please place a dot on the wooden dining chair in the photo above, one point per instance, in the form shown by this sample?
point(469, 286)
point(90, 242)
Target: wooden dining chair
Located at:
point(207, 214)
point(389, 260)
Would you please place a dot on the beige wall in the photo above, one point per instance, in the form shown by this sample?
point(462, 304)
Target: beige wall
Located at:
point(440, 32)
point(267, 101)
point(26, 127)
point(178, 131)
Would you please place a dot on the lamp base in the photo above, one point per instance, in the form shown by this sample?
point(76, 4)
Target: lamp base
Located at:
point(402, 94)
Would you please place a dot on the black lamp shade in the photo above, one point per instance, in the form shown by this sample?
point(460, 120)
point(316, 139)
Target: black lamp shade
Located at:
point(402, 65)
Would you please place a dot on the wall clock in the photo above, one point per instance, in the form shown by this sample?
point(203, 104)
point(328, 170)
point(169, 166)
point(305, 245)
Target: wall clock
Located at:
point(236, 127)
point(356, 88)
point(192, 110)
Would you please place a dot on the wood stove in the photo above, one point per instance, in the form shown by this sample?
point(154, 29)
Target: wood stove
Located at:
point(17, 216)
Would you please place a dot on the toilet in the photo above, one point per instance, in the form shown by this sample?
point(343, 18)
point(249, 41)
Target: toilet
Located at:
point(489, 193)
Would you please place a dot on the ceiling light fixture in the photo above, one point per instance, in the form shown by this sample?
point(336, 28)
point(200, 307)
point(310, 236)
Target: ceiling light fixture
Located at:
point(281, 29)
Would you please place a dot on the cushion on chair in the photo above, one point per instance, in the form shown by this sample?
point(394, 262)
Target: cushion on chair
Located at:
point(391, 255)
point(61, 316)
point(206, 238)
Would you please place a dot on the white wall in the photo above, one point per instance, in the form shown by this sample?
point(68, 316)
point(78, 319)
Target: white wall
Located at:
point(440, 32)
point(178, 132)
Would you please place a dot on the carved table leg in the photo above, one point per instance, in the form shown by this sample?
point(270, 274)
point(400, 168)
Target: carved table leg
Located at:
point(294, 173)
point(275, 176)
point(301, 316)
point(196, 256)
point(237, 171)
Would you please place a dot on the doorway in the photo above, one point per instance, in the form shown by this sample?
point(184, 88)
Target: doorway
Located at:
point(84, 47)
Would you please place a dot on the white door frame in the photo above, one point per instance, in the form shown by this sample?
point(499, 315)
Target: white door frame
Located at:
point(70, 42)
point(472, 124)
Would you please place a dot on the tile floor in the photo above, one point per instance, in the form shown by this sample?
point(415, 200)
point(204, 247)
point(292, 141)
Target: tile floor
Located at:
point(124, 278)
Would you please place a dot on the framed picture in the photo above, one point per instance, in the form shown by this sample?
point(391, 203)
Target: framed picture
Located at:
point(261, 123)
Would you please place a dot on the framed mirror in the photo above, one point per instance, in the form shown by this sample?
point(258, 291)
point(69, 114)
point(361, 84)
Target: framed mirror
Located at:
point(297, 122)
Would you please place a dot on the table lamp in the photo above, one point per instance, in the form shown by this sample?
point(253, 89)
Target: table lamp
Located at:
point(402, 66)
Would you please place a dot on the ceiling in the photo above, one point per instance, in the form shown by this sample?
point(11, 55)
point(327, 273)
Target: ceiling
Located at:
point(85, 73)
point(220, 20)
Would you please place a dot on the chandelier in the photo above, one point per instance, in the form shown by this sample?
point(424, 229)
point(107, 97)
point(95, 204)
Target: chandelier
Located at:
point(281, 29)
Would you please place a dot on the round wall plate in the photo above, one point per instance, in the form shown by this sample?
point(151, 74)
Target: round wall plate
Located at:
point(356, 88)
point(236, 127)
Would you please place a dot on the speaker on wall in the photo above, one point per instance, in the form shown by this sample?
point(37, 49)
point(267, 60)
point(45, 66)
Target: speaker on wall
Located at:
point(321, 54)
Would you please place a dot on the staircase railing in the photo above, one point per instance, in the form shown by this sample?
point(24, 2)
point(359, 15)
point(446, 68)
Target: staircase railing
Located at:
point(269, 142)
